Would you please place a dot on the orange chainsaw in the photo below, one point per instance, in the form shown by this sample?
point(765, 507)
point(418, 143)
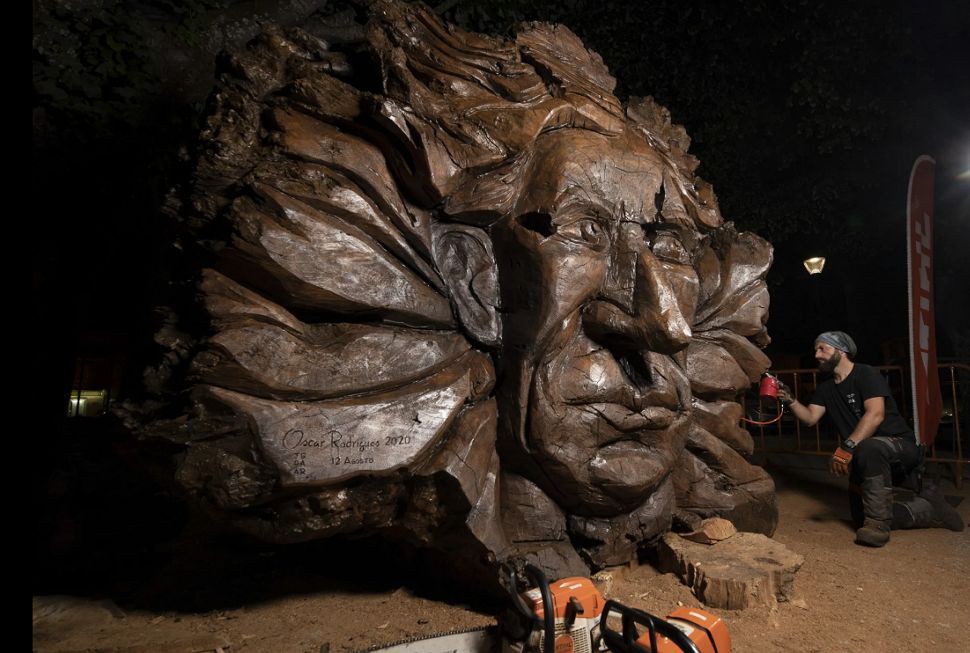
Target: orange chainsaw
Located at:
point(570, 615)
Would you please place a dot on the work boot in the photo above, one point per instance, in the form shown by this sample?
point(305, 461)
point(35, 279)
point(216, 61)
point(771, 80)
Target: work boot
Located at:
point(919, 512)
point(943, 516)
point(877, 503)
point(874, 532)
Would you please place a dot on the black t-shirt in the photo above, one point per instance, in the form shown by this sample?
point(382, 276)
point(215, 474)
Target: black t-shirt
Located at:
point(845, 402)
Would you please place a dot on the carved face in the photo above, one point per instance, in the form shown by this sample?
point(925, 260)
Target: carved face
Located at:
point(598, 295)
point(487, 307)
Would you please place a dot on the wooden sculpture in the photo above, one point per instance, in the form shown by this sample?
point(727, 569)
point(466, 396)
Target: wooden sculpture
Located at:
point(460, 296)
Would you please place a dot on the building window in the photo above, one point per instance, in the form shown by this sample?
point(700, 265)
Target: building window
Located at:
point(87, 403)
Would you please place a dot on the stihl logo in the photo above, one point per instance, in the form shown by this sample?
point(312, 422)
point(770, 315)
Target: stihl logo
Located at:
point(927, 402)
point(923, 246)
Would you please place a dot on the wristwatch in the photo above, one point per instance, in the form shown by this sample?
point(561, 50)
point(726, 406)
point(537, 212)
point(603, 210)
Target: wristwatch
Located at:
point(848, 444)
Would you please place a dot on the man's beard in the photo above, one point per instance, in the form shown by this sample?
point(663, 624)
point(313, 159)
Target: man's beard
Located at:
point(829, 364)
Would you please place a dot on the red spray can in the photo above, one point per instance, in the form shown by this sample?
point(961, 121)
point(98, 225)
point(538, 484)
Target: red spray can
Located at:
point(769, 386)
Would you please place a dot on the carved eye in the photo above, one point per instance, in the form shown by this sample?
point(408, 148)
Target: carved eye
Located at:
point(584, 230)
point(667, 246)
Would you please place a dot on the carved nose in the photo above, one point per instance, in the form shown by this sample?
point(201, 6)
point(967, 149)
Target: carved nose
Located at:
point(639, 307)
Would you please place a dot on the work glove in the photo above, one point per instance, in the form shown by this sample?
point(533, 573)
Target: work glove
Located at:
point(785, 395)
point(840, 462)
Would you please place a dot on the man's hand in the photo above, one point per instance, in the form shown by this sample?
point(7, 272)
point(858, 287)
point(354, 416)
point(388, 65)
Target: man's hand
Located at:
point(840, 462)
point(785, 395)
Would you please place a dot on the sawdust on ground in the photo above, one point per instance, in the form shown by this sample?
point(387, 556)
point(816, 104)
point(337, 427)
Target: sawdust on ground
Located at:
point(912, 595)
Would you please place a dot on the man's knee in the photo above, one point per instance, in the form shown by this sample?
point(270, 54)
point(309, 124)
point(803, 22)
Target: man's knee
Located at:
point(873, 457)
point(874, 449)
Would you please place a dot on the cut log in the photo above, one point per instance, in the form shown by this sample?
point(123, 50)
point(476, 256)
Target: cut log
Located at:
point(743, 571)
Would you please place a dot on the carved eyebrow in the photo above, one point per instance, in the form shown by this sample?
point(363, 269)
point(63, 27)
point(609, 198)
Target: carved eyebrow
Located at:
point(576, 194)
point(577, 204)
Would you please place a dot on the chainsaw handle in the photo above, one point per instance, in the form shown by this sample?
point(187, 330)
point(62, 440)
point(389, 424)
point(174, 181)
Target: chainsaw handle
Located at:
point(517, 599)
point(626, 641)
point(538, 577)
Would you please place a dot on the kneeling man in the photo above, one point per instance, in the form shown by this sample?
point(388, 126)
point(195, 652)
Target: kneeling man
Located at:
point(877, 444)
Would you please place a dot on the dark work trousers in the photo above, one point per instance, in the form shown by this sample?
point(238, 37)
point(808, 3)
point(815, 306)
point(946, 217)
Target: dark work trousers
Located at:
point(892, 460)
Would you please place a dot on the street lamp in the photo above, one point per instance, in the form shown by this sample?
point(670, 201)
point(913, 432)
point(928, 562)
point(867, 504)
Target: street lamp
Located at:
point(814, 265)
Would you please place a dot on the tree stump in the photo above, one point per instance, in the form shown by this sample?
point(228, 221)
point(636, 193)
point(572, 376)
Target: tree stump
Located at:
point(743, 571)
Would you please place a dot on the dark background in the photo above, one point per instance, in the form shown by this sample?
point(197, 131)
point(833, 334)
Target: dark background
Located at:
point(806, 115)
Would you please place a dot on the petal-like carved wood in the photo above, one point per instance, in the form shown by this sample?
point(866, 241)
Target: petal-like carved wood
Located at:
point(263, 350)
point(313, 261)
point(713, 372)
point(745, 353)
point(324, 442)
point(461, 296)
point(722, 419)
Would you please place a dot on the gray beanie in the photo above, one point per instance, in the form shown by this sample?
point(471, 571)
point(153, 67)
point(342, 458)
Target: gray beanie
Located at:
point(838, 339)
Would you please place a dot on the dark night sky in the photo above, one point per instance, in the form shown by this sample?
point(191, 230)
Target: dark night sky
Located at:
point(727, 71)
point(931, 116)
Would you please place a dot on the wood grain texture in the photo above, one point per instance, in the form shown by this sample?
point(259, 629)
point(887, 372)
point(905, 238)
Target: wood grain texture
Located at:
point(496, 294)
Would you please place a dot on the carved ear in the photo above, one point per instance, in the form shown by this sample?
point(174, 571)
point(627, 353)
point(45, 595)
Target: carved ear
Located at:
point(465, 260)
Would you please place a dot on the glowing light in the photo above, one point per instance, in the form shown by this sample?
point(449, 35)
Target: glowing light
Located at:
point(86, 403)
point(814, 265)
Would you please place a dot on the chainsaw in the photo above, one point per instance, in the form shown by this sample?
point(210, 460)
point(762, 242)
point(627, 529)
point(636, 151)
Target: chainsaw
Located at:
point(570, 615)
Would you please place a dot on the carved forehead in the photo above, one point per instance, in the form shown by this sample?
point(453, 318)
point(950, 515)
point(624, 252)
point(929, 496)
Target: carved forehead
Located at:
point(571, 169)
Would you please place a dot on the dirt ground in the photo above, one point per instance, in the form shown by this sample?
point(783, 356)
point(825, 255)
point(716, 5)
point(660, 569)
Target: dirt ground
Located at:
point(912, 595)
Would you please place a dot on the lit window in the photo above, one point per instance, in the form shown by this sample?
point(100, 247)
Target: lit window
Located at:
point(87, 403)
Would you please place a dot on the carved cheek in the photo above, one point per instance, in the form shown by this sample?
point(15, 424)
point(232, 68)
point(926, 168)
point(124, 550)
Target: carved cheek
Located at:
point(571, 275)
point(591, 377)
point(686, 285)
point(543, 282)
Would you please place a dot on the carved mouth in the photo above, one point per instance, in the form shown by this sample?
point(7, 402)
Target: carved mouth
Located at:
point(626, 419)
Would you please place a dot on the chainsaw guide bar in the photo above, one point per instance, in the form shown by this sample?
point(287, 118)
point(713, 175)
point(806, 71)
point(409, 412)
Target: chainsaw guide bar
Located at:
point(473, 640)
